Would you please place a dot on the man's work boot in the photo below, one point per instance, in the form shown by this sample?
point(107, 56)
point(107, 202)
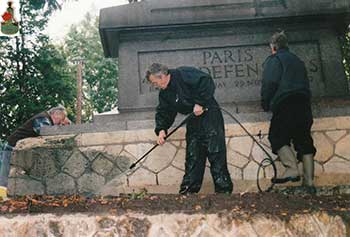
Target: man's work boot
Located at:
point(308, 168)
point(289, 161)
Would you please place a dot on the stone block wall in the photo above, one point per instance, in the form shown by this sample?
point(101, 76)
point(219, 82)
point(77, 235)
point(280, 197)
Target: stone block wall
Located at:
point(178, 224)
point(98, 163)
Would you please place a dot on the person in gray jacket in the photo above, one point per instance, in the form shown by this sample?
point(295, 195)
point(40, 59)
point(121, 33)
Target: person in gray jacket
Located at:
point(286, 92)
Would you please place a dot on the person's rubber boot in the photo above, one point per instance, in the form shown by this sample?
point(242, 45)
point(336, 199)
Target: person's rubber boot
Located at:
point(288, 159)
point(3, 194)
point(308, 177)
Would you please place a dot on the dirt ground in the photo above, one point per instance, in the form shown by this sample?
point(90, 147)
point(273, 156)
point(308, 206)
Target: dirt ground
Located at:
point(239, 205)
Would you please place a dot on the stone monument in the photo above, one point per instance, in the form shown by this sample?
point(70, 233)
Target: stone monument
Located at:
point(228, 39)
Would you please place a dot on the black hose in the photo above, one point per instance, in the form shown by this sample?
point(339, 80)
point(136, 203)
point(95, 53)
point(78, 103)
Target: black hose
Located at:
point(269, 160)
point(154, 147)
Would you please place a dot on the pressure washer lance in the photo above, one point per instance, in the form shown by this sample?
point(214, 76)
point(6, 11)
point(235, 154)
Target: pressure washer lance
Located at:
point(154, 147)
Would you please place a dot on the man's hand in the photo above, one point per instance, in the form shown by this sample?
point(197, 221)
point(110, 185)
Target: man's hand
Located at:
point(161, 137)
point(66, 121)
point(198, 110)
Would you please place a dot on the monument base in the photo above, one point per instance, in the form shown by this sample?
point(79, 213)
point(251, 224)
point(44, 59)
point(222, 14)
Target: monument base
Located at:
point(98, 162)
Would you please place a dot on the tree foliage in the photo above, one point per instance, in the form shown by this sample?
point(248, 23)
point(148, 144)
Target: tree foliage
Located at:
point(100, 74)
point(346, 53)
point(33, 73)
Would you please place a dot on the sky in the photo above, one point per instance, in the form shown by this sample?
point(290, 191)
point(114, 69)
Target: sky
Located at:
point(73, 12)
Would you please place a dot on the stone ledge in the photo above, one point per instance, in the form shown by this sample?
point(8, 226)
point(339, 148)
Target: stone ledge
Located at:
point(134, 224)
point(147, 135)
point(247, 113)
point(99, 162)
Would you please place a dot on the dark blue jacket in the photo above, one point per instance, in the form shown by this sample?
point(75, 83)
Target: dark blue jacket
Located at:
point(284, 75)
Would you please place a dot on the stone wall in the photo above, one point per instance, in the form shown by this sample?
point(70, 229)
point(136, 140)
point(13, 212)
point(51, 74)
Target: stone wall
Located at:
point(135, 224)
point(98, 163)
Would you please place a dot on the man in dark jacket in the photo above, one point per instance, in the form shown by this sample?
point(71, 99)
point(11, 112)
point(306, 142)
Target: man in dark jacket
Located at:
point(188, 90)
point(286, 92)
point(31, 128)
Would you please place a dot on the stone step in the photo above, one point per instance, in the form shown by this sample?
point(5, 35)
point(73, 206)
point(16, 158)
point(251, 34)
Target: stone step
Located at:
point(145, 214)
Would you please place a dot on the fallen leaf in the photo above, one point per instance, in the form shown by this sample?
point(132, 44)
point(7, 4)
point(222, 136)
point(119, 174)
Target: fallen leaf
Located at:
point(65, 202)
point(4, 208)
point(113, 211)
point(154, 198)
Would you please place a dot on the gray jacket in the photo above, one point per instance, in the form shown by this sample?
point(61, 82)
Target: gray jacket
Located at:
point(284, 75)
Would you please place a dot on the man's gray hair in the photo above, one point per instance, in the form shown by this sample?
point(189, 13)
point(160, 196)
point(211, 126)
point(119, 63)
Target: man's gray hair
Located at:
point(156, 68)
point(279, 40)
point(58, 109)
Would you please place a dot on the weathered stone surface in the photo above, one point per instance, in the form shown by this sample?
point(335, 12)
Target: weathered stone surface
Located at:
point(44, 165)
point(318, 169)
point(342, 123)
point(342, 147)
point(337, 165)
point(235, 172)
point(98, 139)
point(101, 165)
point(52, 141)
point(320, 224)
point(56, 228)
point(115, 186)
point(176, 143)
point(170, 176)
point(236, 159)
point(60, 184)
point(324, 147)
point(113, 150)
point(61, 155)
point(133, 136)
point(121, 158)
point(16, 171)
point(242, 145)
point(179, 160)
point(25, 186)
point(76, 164)
point(259, 155)
point(324, 124)
point(91, 152)
point(137, 150)
point(123, 162)
point(336, 135)
point(207, 178)
point(141, 134)
point(142, 177)
point(268, 227)
point(250, 171)
point(138, 224)
point(113, 174)
point(23, 159)
point(160, 158)
point(90, 182)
